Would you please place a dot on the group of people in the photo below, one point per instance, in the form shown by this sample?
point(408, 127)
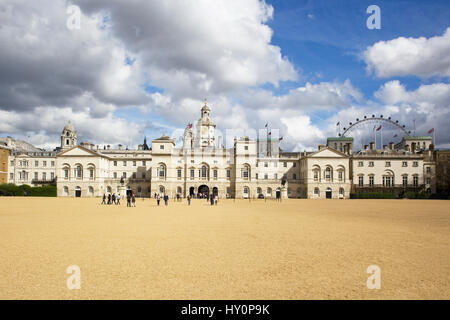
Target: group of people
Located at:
point(113, 199)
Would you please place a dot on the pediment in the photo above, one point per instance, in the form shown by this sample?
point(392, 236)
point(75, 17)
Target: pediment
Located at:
point(78, 151)
point(328, 153)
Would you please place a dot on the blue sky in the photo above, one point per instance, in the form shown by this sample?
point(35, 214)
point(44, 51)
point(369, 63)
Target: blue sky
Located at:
point(143, 69)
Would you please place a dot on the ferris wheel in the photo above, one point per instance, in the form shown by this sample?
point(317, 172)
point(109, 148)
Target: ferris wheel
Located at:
point(376, 122)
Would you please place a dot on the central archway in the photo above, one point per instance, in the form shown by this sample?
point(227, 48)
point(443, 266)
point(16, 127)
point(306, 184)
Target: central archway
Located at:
point(204, 189)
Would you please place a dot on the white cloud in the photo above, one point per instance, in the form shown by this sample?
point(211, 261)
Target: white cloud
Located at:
point(410, 56)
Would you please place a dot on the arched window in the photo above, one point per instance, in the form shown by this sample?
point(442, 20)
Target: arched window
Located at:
point(179, 190)
point(328, 174)
point(162, 171)
point(269, 192)
point(78, 171)
point(341, 192)
point(90, 191)
point(161, 189)
point(204, 172)
point(66, 191)
point(246, 192)
point(258, 190)
point(108, 189)
point(139, 189)
point(246, 171)
point(316, 192)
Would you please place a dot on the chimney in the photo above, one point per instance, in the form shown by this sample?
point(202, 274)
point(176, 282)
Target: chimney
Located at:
point(366, 146)
point(108, 147)
point(372, 146)
point(219, 142)
point(8, 141)
point(321, 146)
point(140, 147)
point(120, 147)
point(345, 149)
point(391, 145)
point(385, 146)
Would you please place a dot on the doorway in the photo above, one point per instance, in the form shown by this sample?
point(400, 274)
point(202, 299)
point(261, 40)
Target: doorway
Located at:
point(77, 192)
point(203, 190)
point(328, 193)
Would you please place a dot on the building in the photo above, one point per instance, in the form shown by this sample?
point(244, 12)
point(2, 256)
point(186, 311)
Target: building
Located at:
point(249, 168)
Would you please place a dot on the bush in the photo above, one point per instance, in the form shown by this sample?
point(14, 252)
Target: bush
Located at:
point(26, 190)
point(373, 195)
point(414, 195)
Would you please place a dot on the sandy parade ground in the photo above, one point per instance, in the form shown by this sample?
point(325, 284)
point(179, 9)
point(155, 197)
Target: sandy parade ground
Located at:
point(297, 249)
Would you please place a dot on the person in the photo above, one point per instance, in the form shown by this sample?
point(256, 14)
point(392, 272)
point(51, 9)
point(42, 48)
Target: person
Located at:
point(189, 200)
point(166, 199)
point(104, 199)
point(113, 198)
point(216, 198)
point(158, 199)
point(128, 200)
point(133, 200)
point(118, 199)
point(109, 198)
point(212, 199)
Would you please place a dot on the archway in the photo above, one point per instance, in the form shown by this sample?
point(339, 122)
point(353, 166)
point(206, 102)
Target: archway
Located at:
point(215, 191)
point(328, 193)
point(204, 190)
point(78, 192)
point(191, 191)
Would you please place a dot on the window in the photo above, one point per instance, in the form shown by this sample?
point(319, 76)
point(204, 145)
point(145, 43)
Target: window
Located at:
point(44, 163)
point(36, 163)
point(53, 163)
point(256, 176)
point(328, 174)
point(139, 189)
point(36, 176)
point(428, 181)
point(11, 176)
point(294, 164)
point(162, 171)
point(66, 173)
point(316, 192)
point(134, 163)
point(266, 176)
point(415, 164)
point(228, 174)
point(245, 147)
point(12, 163)
point(143, 163)
point(52, 176)
point(275, 176)
point(266, 164)
point(115, 175)
point(428, 169)
point(388, 181)
point(179, 173)
point(161, 147)
point(371, 181)
point(340, 175)
point(215, 174)
point(388, 163)
point(285, 164)
point(361, 181)
point(143, 175)
point(405, 181)
point(204, 172)
point(294, 176)
point(415, 181)
point(371, 164)
point(316, 175)
point(245, 172)
point(91, 173)
point(44, 176)
point(404, 163)
point(115, 163)
point(124, 174)
point(124, 163)
point(192, 173)
point(275, 164)
point(78, 172)
point(360, 164)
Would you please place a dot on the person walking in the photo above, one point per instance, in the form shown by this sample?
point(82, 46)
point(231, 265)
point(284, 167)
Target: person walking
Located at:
point(113, 198)
point(189, 200)
point(109, 198)
point(118, 199)
point(128, 200)
point(133, 200)
point(212, 199)
point(158, 199)
point(104, 199)
point(166, 199)
point(216, 199)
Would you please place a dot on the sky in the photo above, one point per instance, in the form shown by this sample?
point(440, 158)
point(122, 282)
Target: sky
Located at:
point(140, 68)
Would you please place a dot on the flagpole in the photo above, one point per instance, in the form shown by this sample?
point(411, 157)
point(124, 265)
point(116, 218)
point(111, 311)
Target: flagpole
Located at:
point(381, 138)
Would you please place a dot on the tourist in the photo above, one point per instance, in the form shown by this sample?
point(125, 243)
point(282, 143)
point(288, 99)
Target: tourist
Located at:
point(216, 199)
point(212, 199)
point(118, 199)
point(133, 200)
point(166, 199)
point(104, 199)
point(109, 198)
point(189, 200)
point(113, 198)
point(128, 199)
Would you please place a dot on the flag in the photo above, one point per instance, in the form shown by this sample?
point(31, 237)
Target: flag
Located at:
point(338, 123)
point(280, 139)
point(266, 125)
point(394, 136)
point(189, 125)
point(270, 133)
point(379, 128)
point(431, 130)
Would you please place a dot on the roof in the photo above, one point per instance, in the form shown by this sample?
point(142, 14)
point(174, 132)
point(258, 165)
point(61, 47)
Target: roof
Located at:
point(340, 139)
point(417, 138)
point(163, 137)
point(69, 127)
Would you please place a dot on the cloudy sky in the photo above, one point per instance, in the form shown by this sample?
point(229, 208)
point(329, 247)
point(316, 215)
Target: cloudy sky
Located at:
point(143, 68)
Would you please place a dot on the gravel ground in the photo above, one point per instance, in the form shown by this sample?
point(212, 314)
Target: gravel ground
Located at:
point(299, 249)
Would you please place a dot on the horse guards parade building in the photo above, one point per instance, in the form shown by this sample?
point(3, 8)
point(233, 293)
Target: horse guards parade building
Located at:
point(249, 169)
